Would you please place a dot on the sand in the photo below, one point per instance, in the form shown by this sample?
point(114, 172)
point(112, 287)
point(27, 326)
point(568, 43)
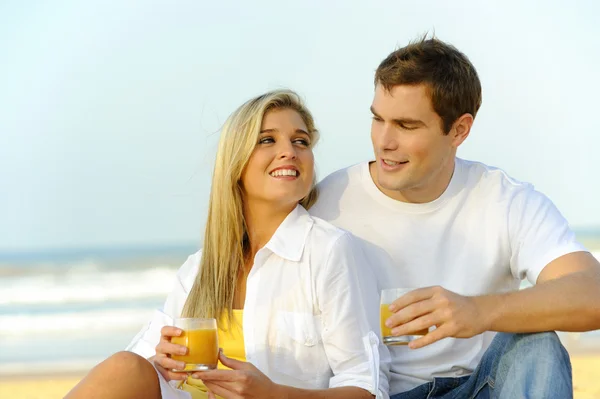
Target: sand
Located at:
point(586, 376)
point(37, 387)
point(586, 382)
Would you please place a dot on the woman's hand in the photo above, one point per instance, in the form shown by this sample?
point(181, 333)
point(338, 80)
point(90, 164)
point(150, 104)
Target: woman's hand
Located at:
point(164, 364)
point(244, 380)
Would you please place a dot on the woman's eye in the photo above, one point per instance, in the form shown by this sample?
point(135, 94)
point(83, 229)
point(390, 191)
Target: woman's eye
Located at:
point(303, 142)
point(266, 140)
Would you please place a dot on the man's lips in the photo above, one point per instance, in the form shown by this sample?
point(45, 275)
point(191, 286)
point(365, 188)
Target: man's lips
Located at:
point(390, 162)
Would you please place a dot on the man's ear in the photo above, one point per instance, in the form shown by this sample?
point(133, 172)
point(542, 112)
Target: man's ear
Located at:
point(461, 129)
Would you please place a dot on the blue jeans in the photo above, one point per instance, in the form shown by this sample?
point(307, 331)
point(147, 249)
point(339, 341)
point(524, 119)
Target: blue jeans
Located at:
point(514, 366)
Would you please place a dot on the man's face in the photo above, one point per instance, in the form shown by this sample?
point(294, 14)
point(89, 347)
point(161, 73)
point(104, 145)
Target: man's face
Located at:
point(414, 159)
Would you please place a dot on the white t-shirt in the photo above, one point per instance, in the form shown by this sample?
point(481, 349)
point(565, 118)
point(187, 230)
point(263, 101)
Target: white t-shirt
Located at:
point(483, 235)
point(300, 323)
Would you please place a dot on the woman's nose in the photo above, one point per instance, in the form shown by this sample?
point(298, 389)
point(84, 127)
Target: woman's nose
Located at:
point(287, 151)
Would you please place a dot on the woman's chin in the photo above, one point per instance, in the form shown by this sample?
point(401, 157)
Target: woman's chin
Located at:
point(284, 202)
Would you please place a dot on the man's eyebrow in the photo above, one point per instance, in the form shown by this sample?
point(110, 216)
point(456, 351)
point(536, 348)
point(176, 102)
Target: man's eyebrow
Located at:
point(374, 113)
point(409, 121)
point(401, 121)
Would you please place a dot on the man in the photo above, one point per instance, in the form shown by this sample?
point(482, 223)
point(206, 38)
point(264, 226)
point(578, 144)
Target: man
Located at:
point(463, 235)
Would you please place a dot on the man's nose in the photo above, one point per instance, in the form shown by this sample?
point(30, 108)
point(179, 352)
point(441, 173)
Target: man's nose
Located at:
point(388, 138)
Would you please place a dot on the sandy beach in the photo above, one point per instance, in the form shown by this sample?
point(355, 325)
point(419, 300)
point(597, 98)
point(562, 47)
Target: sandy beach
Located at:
point(586, 382)
point(586, 376)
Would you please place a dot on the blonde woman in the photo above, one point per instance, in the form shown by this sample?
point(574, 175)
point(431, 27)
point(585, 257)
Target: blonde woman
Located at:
point(291, 291)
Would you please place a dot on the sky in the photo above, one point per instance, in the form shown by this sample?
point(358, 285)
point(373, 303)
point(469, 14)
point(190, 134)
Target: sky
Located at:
point(110, 110)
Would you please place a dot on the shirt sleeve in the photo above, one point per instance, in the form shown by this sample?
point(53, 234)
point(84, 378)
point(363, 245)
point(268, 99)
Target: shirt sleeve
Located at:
point(144, 343)
point(538, 234)
point(349, 305)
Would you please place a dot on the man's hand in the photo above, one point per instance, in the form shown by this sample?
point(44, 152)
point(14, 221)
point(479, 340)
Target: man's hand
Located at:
point(453, 315)
point(244, 380)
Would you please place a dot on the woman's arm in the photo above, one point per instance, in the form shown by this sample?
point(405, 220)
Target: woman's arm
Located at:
point(153, 341)
point(144, 343)
point(331, 393)
point(244, 380)
point(346, 292)
point(348, 298)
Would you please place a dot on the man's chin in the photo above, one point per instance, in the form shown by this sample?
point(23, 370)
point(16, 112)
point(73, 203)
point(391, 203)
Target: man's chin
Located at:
point(390, 184)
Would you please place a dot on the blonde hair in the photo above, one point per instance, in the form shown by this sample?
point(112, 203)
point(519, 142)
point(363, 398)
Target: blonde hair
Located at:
point(225, 238)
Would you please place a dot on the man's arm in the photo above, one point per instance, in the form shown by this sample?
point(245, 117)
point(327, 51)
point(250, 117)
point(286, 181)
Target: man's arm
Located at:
point(544, 249)
point(567, 297)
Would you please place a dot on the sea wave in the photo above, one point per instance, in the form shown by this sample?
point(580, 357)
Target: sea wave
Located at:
point(93, 323)
point(86, 285)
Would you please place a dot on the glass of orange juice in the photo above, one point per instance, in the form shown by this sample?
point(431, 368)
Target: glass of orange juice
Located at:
point(200, 337)
point(387, 297)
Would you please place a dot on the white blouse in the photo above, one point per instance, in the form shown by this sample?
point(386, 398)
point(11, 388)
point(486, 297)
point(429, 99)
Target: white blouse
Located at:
point(311, 310)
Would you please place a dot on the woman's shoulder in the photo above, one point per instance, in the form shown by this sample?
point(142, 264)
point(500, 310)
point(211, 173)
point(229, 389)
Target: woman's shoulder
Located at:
point(334, 252)
point(323, 228)
point(329, 237)
point(188, 271)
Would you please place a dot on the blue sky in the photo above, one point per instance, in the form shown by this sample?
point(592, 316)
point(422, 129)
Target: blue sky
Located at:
point(110, 110)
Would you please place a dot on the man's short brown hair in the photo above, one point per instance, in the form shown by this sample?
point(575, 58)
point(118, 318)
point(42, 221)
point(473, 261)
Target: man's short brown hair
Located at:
point(452, 80)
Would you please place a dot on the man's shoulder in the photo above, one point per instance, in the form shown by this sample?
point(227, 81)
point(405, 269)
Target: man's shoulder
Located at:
point(487, 180)
point(335, 190)
point(341, 178)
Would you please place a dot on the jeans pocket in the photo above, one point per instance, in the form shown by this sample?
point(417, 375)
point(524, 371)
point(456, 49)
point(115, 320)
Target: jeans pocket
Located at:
point(446, 387)
point(483, 389)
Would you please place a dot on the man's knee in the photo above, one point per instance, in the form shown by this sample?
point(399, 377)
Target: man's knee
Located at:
point(532, 365)
point(535, 345)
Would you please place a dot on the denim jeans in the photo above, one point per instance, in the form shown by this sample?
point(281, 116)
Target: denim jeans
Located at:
point(514, 366)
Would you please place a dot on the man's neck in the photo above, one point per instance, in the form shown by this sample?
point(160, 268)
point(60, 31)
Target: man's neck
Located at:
point(429, 191)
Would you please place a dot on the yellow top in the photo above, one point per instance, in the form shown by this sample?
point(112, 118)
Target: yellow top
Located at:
point(232, 343)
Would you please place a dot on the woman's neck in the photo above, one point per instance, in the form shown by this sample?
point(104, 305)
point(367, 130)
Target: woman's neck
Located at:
point(262, 220)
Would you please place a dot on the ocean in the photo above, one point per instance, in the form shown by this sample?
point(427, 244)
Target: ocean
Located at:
point(66, 311)
point(63, 312)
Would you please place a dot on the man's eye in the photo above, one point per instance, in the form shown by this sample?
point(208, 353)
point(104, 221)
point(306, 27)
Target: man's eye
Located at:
point(404, 127)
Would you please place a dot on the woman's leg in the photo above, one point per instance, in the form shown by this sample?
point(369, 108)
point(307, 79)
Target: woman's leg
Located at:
point(123, 375)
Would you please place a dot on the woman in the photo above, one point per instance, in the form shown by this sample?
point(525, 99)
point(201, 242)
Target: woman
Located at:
point(284, 285)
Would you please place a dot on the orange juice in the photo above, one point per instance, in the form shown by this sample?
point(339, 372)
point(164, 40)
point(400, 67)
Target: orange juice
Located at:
point(203, 349)
point(385, 313)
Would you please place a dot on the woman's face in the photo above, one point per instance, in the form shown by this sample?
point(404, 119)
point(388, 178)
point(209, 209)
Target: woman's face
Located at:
point(281, 168)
